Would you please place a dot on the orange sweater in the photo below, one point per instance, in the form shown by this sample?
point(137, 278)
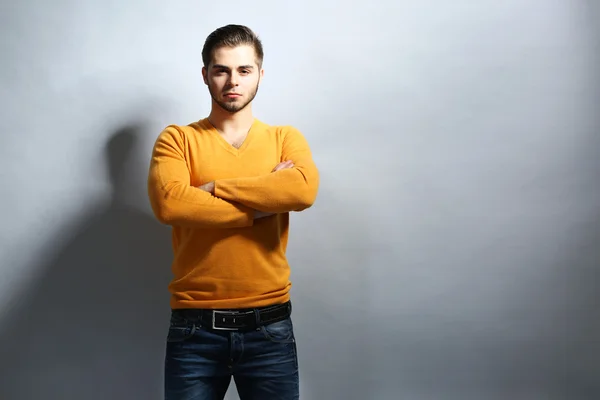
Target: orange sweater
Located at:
point(223, 258)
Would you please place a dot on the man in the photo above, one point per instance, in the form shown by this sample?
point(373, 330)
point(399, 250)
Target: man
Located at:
point(226, 184)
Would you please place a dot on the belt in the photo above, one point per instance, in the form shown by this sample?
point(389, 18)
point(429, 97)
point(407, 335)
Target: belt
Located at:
point(236, 319)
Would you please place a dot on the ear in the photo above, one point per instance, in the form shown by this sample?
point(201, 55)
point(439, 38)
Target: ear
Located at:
point(205, 75)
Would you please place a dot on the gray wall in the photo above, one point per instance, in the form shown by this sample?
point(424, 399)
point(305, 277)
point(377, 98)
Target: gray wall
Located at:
point(454, 250)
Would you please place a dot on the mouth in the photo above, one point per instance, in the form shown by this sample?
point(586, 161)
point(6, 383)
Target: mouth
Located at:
point(232, 95)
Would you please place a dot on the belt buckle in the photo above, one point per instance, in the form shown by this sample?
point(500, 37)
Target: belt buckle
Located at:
point(214, 319)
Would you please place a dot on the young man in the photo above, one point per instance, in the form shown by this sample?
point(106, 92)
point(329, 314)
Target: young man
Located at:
point(226, 184)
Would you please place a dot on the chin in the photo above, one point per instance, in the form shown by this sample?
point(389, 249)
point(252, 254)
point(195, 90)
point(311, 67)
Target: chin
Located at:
point(231, 108)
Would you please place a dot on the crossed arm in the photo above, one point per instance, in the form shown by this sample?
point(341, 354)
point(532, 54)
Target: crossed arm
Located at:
point(228, 203)
point(210, 188)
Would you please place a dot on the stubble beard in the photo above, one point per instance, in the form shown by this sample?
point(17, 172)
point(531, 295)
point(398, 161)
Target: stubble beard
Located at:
point(233, 107)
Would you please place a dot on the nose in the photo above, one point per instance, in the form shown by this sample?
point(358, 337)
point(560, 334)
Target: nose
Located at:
point(233, 79)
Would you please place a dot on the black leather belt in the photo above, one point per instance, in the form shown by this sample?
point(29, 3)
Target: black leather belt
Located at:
point(236, 319)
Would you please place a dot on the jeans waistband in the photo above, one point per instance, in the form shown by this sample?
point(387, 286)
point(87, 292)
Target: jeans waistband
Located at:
point(236, 319)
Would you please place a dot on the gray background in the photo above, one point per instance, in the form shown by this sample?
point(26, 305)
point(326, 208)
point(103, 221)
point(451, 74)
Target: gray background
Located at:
point(454, 249)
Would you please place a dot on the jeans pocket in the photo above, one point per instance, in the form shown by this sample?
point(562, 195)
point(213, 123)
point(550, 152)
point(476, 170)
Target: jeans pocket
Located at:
point(180, 330)
point(280, 331)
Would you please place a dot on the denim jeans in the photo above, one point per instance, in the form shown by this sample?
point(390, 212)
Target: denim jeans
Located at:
point(200, 362)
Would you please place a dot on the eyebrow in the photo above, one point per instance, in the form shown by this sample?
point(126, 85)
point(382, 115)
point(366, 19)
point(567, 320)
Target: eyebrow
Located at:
point(225, 67)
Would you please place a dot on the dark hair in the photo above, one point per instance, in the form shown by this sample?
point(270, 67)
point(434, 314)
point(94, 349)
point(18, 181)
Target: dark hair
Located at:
point(231, 36)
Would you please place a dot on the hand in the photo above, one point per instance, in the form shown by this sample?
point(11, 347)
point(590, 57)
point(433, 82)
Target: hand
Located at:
point(283, 165)
point(208, 187)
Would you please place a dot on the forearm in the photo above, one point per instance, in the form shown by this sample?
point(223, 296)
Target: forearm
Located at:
point(292, 189)
point(175, 202)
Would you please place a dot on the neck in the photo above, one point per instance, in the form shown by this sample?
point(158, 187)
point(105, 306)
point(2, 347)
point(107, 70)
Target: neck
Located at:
point(227, 122)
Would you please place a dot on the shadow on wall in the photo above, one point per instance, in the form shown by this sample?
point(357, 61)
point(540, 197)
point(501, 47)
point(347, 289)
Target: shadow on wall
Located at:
point(93, 325)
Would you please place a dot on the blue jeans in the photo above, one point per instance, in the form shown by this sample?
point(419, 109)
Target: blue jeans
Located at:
point(200, 362)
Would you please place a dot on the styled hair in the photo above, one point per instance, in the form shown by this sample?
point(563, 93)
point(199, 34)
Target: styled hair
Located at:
point(231, 36)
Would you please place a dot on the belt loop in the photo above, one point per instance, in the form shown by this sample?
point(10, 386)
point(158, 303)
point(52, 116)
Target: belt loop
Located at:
point(257, 318)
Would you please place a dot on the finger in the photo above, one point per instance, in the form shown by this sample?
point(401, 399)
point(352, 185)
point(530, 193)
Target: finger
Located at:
point(278, 167)
point(281, 165)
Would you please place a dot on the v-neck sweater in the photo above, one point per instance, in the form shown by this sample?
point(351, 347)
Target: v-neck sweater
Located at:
point(223, 257)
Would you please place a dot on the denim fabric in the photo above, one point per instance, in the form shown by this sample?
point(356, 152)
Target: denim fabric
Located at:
point(200, 362)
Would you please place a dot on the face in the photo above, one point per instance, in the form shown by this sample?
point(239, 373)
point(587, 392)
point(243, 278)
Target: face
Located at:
point(233, 77)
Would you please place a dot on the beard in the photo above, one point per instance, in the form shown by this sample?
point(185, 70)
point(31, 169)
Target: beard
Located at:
point(234, 105)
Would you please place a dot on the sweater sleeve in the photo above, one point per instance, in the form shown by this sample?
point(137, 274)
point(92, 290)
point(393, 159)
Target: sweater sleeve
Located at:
point(175, 202)
point(286, 190)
